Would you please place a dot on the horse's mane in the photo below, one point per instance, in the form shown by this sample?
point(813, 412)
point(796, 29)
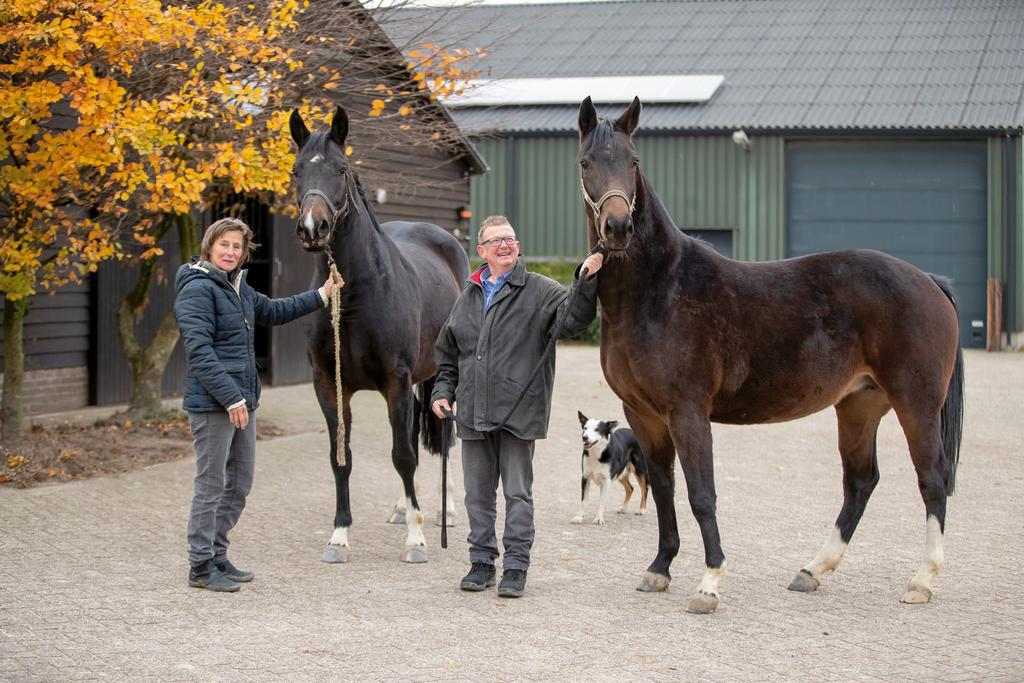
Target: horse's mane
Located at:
point(600, 135)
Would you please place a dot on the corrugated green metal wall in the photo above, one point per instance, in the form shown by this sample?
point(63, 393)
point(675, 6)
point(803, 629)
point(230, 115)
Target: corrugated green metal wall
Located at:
point(1006, 251)
point(705, 183)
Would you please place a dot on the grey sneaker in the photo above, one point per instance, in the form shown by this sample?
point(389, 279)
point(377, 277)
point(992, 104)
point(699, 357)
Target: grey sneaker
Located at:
point(209, 577)
point(480, 577)
point(513, 583)
point(233, 573)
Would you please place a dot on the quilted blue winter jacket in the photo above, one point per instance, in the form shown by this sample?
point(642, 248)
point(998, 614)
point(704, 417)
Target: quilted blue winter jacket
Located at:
point(216, 320)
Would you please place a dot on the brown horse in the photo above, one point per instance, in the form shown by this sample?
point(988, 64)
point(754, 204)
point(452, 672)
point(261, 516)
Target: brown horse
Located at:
point(689, 337)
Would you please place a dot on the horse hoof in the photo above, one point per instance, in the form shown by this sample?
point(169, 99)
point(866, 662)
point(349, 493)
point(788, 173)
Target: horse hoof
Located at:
point(397, 517)
point(702, 603)
point(415, 554)
point(451, 520)
point(916, 595)
point(653, 583)
point(803, 582)
point(335, 554)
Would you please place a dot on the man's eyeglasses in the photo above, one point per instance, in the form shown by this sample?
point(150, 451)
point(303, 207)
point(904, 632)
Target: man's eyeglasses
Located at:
point(496, 242)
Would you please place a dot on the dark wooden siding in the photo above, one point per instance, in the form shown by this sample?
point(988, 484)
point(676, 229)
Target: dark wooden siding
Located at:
point(113, 380)
point(56, 331)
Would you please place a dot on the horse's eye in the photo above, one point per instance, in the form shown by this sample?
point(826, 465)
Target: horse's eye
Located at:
point(636, 162)
point(584, 164)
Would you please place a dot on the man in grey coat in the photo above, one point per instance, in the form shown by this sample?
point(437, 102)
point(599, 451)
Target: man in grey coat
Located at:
point(492, 341)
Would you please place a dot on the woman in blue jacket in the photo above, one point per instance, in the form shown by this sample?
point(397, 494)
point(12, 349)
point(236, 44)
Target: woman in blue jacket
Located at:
point(216, 311)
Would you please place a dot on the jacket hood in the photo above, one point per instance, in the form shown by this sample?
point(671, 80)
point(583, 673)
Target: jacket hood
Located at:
point(197, 269)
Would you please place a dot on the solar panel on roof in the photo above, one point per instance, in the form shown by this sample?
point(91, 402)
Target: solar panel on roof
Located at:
point(521, 91)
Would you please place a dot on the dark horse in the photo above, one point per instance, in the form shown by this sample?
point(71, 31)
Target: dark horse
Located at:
point(401, 280)
point(689, 337)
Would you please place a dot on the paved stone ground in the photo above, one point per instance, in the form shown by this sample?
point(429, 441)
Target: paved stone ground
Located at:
point(92, 575)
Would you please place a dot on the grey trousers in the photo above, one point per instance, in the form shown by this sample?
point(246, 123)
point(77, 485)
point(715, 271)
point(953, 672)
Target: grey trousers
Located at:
point(511, 460)
point(225, 464)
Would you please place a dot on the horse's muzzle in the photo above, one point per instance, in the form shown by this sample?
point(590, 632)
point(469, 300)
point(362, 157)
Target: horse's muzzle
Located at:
point(315, 239)
point(618, 232)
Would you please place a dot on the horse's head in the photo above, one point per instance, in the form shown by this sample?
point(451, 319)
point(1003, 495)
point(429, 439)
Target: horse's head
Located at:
point(608, 172)
point(324, 183)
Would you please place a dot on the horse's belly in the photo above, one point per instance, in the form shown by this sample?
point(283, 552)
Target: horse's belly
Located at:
point(784, 403)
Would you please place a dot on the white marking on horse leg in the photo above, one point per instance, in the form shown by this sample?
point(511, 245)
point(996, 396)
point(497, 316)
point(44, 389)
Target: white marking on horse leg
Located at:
point(339, 537)
point(337, 548)
point(920, 588)
point(415, 541)
point(828, 557)
point(451, 511)
point(605, 485)
point(709, 584)
point(413, 525)
point(397, 515)
point(449, 516)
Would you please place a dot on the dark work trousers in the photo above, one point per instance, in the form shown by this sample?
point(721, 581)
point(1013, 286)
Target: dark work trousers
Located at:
point(225, 464)
point(509, 459)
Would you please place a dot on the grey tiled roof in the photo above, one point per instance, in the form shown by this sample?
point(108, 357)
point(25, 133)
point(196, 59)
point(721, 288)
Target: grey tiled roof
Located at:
point(796, 64)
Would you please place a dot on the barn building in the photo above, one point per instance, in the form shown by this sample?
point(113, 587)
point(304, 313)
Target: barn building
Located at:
point(773, 128)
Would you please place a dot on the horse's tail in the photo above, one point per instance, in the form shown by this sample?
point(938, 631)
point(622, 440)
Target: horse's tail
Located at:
point(952, 415)
point(436, 433)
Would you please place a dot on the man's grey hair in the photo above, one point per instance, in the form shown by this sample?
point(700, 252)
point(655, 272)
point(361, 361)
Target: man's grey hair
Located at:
point(490, 222)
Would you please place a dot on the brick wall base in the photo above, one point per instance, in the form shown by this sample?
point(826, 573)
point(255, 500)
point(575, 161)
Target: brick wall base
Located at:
point(55, 390)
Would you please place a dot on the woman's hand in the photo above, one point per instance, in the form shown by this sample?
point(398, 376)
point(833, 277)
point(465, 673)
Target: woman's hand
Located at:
point(330, 284)
point(239, 417)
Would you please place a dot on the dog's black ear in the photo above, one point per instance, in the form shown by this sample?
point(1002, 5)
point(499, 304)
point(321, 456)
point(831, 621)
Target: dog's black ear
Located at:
point(583, 419)
point(612, 425)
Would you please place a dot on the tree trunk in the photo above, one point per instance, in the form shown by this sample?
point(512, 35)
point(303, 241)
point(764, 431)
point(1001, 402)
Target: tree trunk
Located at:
point(12, 411)
point(148, 363)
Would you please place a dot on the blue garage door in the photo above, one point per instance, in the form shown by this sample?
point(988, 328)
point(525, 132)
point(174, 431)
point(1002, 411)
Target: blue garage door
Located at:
point(924, 202)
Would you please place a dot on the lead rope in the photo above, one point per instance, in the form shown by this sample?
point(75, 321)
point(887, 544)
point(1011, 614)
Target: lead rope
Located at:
point(336, 325)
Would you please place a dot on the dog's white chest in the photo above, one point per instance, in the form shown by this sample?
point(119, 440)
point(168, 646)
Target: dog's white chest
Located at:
point(594, 469)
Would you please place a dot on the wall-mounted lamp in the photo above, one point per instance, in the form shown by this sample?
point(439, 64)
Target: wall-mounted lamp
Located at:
point(741, 139)
point(464, 213)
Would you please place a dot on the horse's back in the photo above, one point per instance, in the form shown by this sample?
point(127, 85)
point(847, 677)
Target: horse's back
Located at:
point(426, 244)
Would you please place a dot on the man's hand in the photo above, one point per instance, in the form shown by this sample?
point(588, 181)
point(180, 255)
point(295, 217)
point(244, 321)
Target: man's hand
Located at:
point(438, 405)
point(593, 264)
point(239, 417)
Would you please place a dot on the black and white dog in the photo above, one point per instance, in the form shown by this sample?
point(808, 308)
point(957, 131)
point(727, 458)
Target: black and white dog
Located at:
point(611, 453)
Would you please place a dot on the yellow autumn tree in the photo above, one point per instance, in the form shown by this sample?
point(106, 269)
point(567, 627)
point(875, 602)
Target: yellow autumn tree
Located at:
point(118, 120)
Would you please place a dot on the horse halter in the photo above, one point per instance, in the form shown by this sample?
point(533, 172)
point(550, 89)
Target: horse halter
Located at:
point(596, 206)
point(336, 213)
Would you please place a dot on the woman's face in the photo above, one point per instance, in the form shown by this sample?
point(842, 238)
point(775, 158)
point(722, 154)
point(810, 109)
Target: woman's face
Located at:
point(226, 251)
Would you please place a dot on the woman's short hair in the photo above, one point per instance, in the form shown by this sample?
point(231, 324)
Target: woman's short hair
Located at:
point(218, 228)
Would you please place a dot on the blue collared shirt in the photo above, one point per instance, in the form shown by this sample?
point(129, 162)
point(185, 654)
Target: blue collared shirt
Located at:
point(489, 288)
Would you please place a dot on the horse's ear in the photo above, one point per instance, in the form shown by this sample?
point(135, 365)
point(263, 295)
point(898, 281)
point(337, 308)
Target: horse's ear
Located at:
point(630, 118)
point(339, 126)
point(583, 419)
point(299, 131)
point(588, 117)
